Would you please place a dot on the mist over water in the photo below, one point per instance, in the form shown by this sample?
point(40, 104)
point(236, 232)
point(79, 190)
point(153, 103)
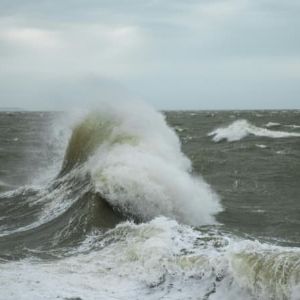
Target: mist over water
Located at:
point(128, 203)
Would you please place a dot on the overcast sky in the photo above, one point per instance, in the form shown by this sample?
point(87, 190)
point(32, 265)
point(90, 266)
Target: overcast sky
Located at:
point(205, 54)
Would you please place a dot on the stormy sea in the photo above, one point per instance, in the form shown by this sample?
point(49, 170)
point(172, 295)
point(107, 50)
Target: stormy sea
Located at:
point(124, 202)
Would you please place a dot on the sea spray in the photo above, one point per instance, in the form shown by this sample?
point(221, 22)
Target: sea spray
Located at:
point(137, 165)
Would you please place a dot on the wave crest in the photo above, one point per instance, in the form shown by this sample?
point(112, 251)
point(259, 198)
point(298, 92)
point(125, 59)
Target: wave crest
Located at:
point(136, 164)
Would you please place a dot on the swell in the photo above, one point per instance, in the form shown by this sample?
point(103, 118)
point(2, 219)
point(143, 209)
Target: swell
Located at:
point(47, 225)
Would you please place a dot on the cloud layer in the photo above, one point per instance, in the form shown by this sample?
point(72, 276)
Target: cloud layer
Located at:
point(176, 54)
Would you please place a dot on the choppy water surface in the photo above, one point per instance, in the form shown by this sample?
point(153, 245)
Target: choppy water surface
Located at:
point(128, 203)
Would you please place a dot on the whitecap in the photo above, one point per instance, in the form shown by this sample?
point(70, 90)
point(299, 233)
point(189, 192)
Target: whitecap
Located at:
point(242, 128)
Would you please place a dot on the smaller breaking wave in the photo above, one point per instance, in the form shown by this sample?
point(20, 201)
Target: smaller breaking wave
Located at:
point(242, 128)
point(275, 124)
point(293, 126)
point(272, 124)
point(161, 259)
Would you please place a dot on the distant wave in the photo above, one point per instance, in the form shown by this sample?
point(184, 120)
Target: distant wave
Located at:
point(275, 124)
point(293, 126)
point(262, 146)
point(242, 128)
point(272, 124)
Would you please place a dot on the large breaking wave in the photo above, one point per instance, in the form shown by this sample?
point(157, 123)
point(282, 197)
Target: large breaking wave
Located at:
point(121, 162)
point(136, 164)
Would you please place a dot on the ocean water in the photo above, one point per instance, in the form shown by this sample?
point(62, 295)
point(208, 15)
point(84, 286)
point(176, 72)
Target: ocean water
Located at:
point(128, 203)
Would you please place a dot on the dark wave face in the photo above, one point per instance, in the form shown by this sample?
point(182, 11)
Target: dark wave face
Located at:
point(111, 201)
point(85, 139)
point(61, 213)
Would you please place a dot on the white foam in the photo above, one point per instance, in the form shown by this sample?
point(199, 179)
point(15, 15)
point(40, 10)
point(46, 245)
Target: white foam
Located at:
point(262, 146)
point(272, 124)
point(179, 129)
point(242, 128)
point(158, 260)
point(293, 126)
point(280, 152)
point(149, 176)
point(145, 261)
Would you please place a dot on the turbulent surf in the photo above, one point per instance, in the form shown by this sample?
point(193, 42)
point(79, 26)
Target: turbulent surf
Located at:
point(113, 204)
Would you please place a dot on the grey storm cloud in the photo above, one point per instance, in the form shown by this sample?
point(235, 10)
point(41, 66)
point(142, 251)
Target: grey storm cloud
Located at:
point(210, 54)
